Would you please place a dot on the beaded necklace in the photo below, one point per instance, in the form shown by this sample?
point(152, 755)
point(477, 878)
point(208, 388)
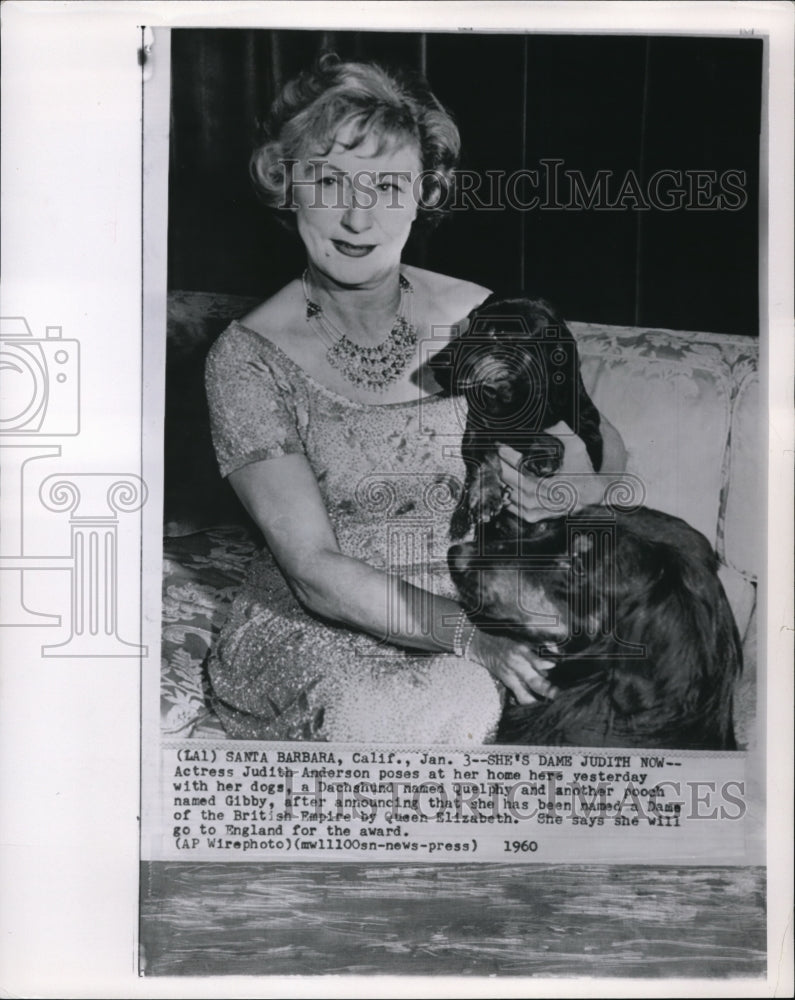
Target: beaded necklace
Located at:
point(372, 368)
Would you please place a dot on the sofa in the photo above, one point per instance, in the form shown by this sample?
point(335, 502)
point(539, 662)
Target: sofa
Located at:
point(686, 403)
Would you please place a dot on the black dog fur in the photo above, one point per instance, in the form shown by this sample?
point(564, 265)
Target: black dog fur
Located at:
point(645, 648)
point(627, 605)
point(518, 368)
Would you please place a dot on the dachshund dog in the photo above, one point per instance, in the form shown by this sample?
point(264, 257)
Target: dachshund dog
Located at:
point(629, 608)
point(517, 366)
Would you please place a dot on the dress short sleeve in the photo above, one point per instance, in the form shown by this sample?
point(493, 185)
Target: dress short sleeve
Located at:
point(254, 413)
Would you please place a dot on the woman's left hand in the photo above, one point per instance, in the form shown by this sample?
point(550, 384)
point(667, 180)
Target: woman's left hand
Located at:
point(514, 663)
point(576, 469)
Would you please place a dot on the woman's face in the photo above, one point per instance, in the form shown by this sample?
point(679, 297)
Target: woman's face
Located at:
point(354, 208)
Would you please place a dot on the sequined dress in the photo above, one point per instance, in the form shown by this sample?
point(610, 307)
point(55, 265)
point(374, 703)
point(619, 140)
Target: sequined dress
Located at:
point(389, 475)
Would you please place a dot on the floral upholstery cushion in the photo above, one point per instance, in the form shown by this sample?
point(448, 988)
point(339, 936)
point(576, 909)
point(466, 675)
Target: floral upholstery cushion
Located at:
point(686, 405)
point(201, 573)
point(743, 534)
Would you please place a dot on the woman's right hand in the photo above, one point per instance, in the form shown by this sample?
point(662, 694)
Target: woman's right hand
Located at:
point(524, 491)
point(514, 664)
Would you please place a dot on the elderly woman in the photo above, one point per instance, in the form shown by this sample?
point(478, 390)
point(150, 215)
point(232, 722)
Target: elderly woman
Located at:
point(342, 449)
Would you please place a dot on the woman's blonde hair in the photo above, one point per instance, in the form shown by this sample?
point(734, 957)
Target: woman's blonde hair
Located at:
point(311, 109)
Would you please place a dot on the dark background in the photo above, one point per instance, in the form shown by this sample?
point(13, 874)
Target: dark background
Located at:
point(596, 102)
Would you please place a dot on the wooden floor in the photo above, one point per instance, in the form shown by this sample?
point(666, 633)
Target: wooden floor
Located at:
point(476, 920)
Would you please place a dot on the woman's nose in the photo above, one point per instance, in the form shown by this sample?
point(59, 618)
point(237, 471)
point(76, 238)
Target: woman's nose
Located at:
point(356, 218)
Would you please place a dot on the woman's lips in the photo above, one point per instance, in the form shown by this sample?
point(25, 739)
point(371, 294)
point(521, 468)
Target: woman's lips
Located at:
point(351, 250)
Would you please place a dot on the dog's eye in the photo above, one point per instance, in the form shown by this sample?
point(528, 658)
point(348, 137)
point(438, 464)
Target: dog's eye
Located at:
point(489, 393)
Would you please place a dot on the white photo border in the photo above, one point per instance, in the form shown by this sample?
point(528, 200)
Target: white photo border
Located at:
point(72, 256)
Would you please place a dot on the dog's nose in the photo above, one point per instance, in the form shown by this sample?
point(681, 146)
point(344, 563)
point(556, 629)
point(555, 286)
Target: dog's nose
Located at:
point(458, 557)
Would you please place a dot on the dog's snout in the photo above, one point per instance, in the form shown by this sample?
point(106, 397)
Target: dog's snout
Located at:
point(458, 557)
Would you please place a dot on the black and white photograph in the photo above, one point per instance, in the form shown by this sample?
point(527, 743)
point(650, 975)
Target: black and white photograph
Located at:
point(462, 429)
point(624, 202)
point(454, 387)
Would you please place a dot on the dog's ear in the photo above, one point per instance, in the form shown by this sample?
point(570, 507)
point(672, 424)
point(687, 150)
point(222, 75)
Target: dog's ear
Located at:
point(568, 398)
point(589, 423)
point(642, 624)
point(609, 587)
point(681, 617)
point(443, 365)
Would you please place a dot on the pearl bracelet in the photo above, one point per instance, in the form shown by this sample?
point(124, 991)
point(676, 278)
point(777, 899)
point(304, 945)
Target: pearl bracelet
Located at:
point(460, 647)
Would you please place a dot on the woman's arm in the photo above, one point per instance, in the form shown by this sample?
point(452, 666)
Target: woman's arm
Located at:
point(575, 469)
point(282, 496)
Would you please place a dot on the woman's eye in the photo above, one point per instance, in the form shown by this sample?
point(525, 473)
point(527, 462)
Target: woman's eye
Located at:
point(328, 181)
